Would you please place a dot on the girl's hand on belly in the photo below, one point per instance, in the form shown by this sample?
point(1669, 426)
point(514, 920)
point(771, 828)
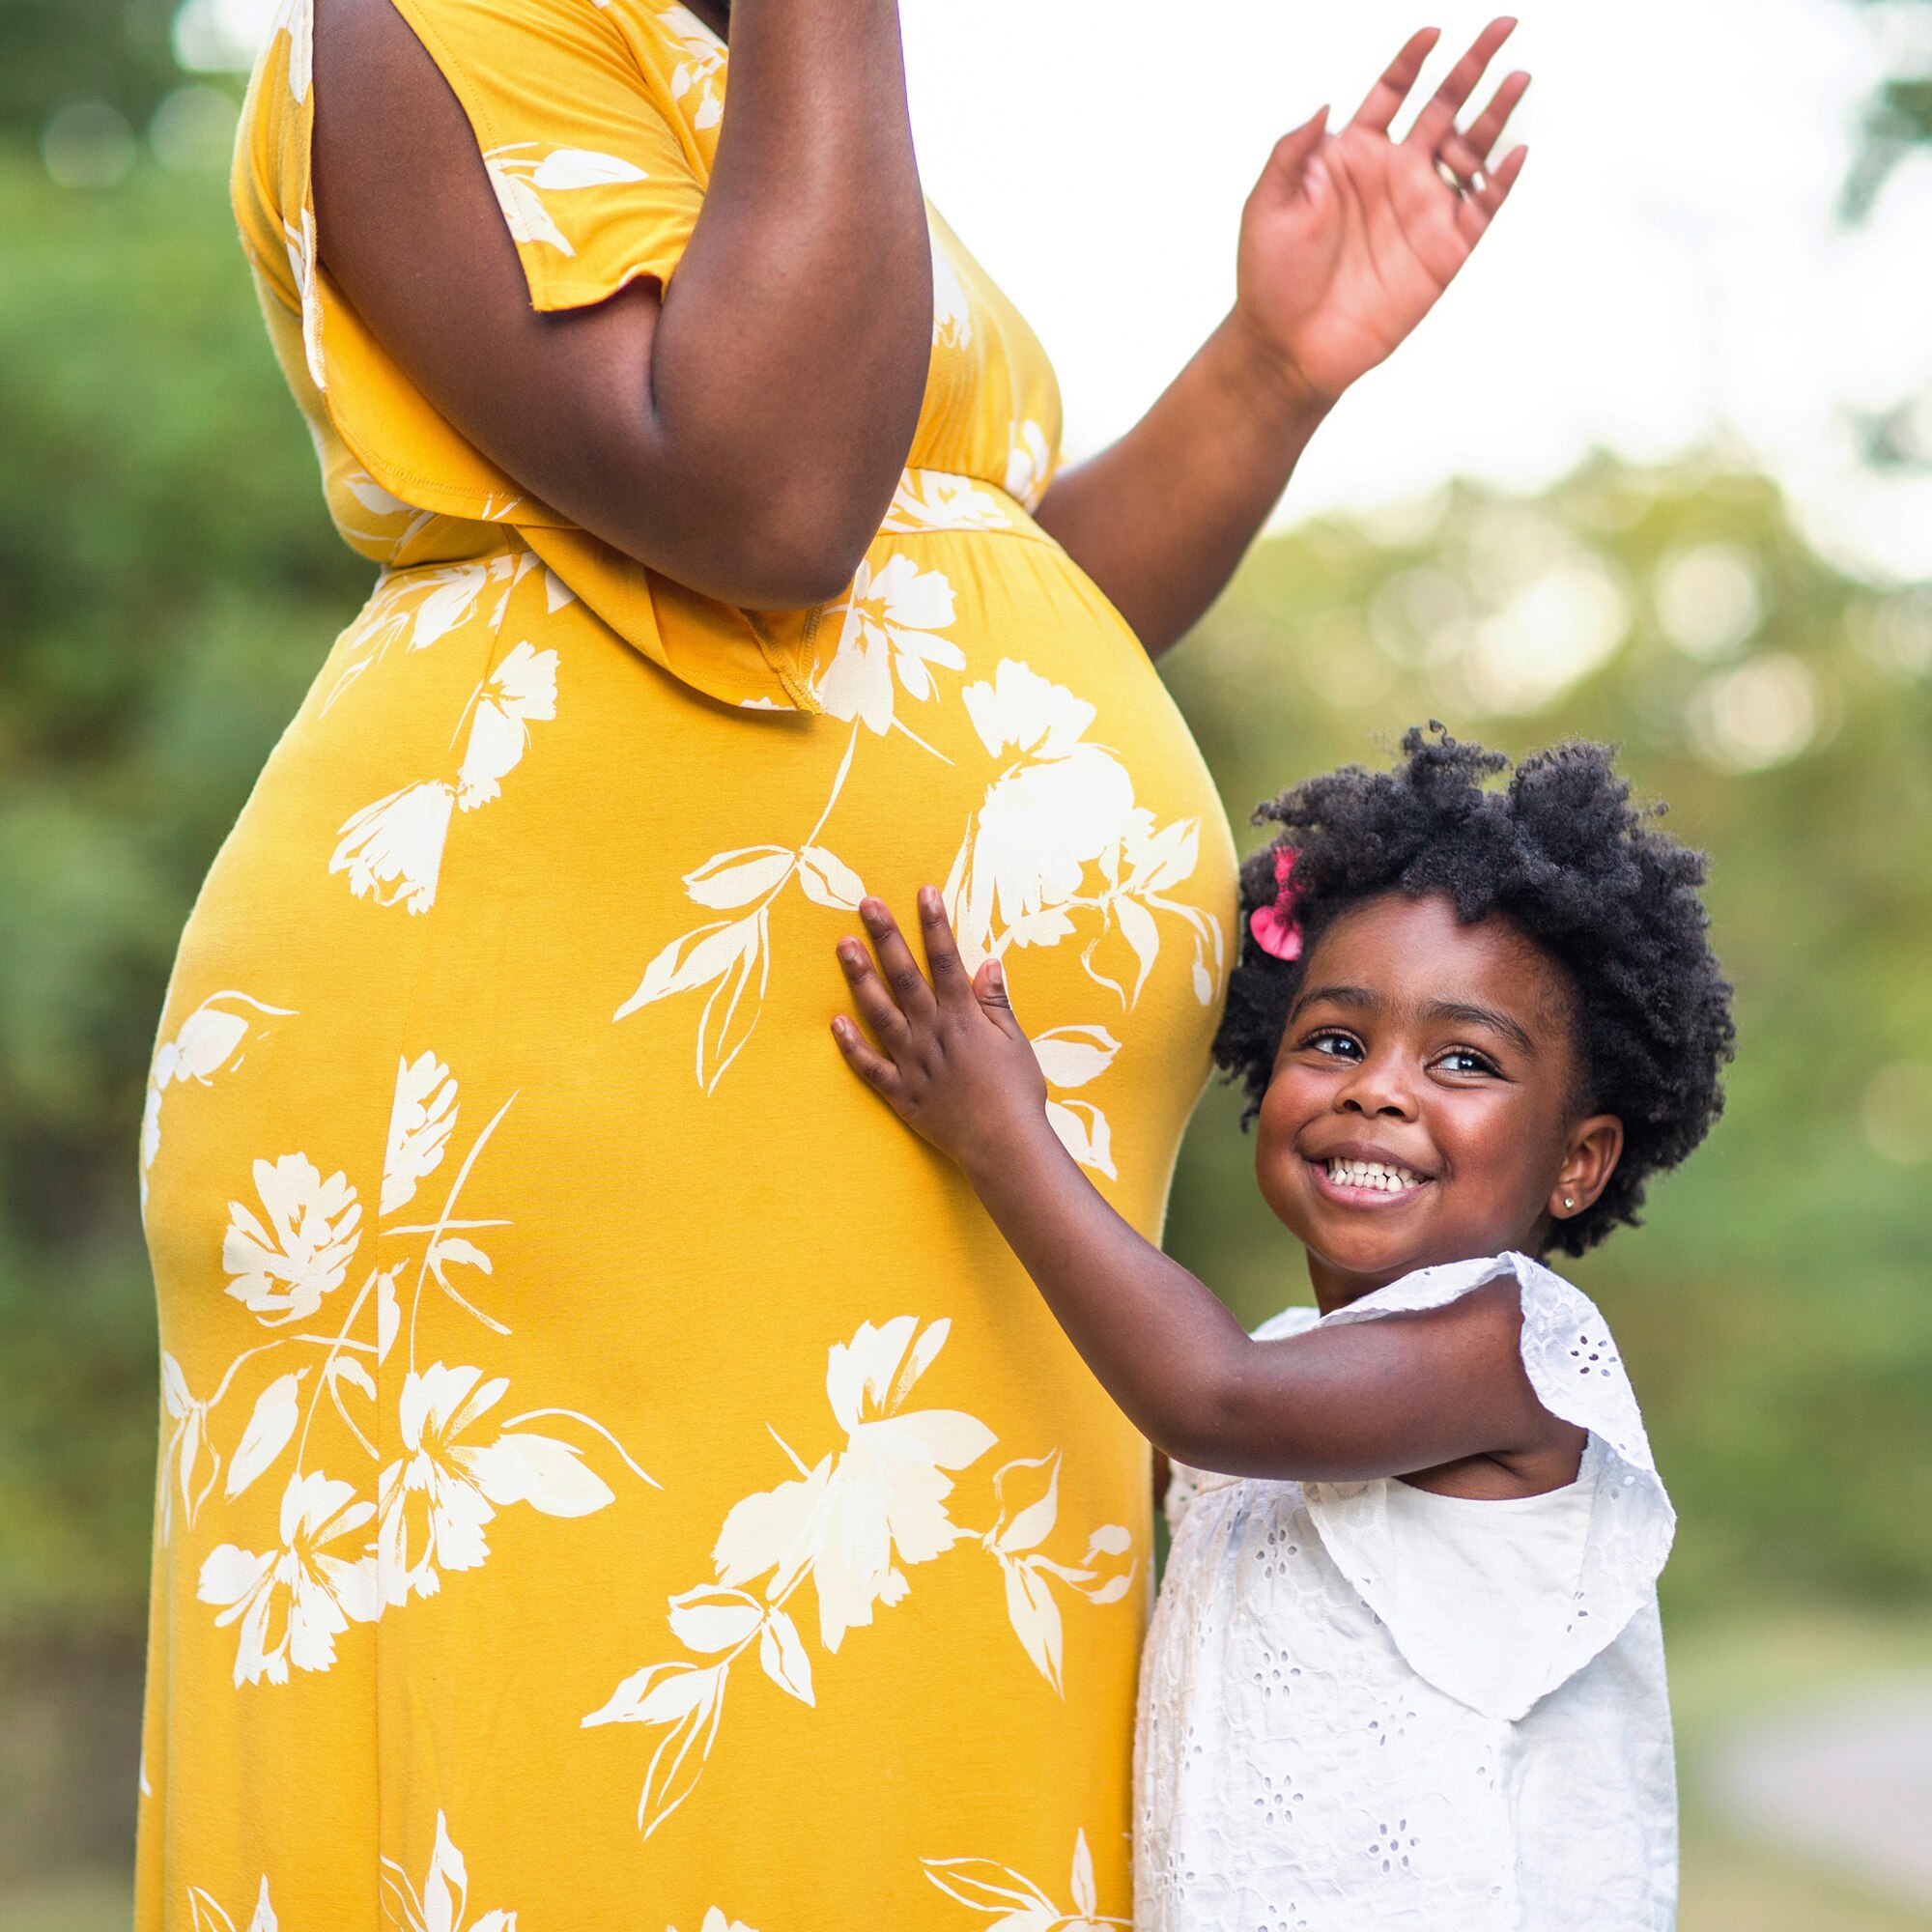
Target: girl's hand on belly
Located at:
point(951, 1060)
point(1390, 1397)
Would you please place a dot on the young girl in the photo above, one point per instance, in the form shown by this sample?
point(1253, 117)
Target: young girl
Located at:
point(1405, 1668)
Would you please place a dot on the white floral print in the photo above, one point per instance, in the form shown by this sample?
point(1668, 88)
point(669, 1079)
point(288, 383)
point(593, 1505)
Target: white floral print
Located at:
point(929, 500)
point(441, 1902)
point(180, 1449)
point(271, 1428)
point(207, 1914)
point(297, 20)
point(392, 850)
point(294, 1601)
point(1058, 838)
point(729, 959)
point(208, 1042)
point(282, 1269)
point(855, 1519)
point(382, 506)
point(1070, 1057)
point(893, 620)
point(520, 690)
point(422, 1120)
point(1015, 1540)
point(701, 72)
point(1057, 849)
point(1029, 464)
point(851, 1525)
point(1017, 1904)
point(952, 306)
point(522, 177)
point(343, 1554)
point(436, 1501)
point(421, 606)
point(299, 240)
point(715, 1920)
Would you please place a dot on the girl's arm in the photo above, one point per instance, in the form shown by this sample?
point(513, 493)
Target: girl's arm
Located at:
point(1381, 1398)
point(1346, 242)
point(743, 432)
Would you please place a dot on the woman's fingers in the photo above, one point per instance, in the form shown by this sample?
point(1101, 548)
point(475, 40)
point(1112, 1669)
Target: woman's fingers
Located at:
point(1287, 164)
point(1460, 166)
point(876, 1006)
point(1484, 132)
point(950, 978)
point(1435, 120)
point(896, 961)
point(1481, 204)
point(1385, 98)
point(864, 1060)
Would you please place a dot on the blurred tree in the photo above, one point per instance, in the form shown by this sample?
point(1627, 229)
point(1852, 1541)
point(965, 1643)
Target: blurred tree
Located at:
point(168, 582)
point(56, 52)
point(1772, 1309)
point(1899, 117)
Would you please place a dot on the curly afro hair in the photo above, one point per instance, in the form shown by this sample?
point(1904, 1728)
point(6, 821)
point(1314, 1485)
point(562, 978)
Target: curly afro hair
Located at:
point(1562, 854)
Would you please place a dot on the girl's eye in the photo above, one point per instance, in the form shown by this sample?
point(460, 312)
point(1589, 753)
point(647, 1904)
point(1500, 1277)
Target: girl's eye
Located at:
point(1466, 1060)
point(1335, 1045)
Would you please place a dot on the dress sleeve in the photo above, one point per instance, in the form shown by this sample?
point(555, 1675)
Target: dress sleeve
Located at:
point(597, 123)
point(597, 136)
point(1575, 1369)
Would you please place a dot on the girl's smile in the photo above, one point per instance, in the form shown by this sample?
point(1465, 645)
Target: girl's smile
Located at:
point(1427, 1100)
point(1360, 1175)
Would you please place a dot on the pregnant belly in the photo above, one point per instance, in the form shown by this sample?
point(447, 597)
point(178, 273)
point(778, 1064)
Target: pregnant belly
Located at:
point(499, 1141)
point(492, 814)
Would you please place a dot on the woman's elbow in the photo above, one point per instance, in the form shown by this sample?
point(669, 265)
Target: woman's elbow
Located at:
point(762, 552)
point(794, 569)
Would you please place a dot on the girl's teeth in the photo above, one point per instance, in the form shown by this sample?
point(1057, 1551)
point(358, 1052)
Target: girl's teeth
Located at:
point(1372, 1174)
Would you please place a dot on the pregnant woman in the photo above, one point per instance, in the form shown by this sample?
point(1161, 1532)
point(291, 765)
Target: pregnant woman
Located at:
point(612, 1476)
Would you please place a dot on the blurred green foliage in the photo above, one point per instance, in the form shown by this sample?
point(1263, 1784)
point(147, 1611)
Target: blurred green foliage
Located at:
point(55, 52)
point(168, 581)
point(1774, 1309)
point(1898, 116)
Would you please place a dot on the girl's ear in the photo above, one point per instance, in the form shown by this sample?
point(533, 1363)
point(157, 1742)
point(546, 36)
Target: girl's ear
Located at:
point(1596, 1146)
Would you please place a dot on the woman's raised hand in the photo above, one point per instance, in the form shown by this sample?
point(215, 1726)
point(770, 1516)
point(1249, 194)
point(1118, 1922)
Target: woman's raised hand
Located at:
point(1350, 238)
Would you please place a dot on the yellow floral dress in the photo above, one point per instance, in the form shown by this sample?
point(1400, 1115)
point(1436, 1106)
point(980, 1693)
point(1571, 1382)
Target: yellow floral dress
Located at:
point(614, 1476)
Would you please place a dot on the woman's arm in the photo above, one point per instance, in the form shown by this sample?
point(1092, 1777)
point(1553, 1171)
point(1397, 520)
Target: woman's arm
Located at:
point(1346, 242)
point(742, 432)
point(1382, 1398)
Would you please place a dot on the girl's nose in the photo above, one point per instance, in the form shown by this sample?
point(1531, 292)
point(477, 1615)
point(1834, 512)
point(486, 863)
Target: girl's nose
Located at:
point(1379, 1090)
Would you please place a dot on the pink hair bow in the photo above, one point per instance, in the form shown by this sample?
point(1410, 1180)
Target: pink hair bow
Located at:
point(1275, 928)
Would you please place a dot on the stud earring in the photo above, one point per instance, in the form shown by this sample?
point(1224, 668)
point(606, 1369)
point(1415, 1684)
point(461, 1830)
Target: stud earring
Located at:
point(1569, 1202)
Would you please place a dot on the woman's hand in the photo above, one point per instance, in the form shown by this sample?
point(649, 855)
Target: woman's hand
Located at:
point(951, 1060)
point(1349, 238)
point(1347, 243)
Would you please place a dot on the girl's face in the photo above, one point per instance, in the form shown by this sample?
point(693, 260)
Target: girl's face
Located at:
point(1424, 1104)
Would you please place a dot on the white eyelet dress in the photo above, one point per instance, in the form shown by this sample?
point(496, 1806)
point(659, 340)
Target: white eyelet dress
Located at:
point(1362, 1705)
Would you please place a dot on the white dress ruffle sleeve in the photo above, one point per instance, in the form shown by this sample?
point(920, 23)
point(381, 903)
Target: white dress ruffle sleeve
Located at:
point(1365, 1705)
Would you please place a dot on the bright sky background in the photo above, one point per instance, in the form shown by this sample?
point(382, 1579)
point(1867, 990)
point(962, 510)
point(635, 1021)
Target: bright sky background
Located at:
point(1670, 270)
